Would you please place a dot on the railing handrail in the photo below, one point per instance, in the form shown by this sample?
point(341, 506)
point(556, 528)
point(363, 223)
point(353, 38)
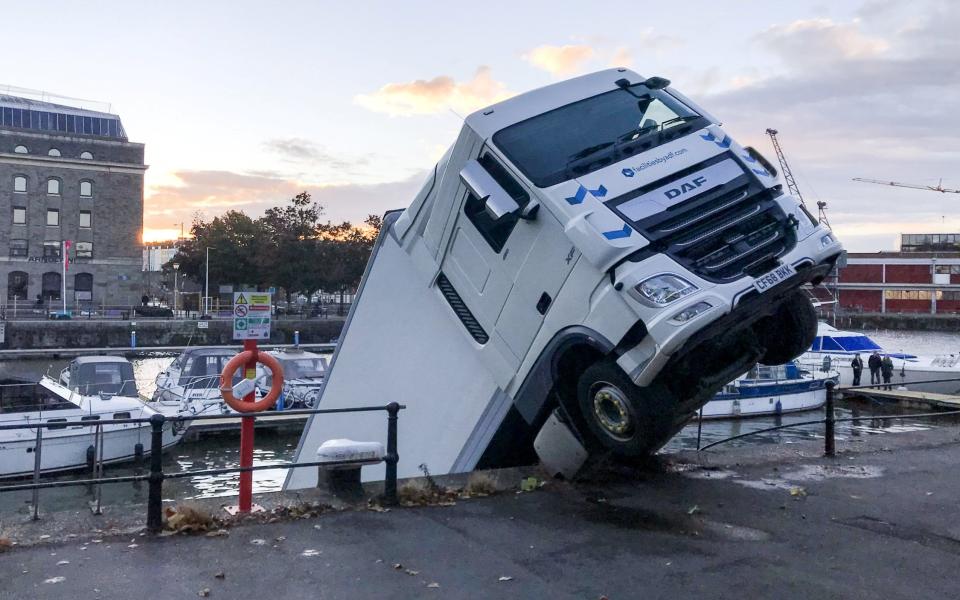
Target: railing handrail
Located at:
point(182, 418)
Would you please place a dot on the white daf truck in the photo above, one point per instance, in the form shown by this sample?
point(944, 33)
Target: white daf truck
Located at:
point(599, 251)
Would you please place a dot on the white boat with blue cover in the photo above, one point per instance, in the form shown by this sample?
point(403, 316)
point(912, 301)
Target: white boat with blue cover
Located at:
point(834, 349)
point(770, 390)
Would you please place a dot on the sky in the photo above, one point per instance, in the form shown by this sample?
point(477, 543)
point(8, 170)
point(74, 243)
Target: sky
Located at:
point(242, 105)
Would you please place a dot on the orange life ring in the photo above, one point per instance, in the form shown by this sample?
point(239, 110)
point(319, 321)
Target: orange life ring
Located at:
point(238, 404)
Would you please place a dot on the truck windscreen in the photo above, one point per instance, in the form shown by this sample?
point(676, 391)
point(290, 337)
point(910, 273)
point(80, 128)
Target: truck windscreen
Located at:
point(590, 134)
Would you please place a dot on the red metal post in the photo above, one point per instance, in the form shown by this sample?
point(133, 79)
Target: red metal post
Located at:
point(246, 434)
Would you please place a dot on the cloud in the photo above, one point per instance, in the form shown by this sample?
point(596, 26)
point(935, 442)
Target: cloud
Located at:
point(816, 41)
point(560, 60)
point(430, 96)
point(213, 192)
point(849, 103)
point(304, 151)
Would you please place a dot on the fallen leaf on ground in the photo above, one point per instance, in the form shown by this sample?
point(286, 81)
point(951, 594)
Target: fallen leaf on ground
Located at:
point(221, 575)
point(55, 580)
point(218, 533)
point(63, 562)
point(693, 509)
point(411, 572)
point(133, 546)
point(397, 566)
point(505, 577)
point(798, 492)
point(433, 585)
point(204, 592)
point(258, 542)
point(310, 552)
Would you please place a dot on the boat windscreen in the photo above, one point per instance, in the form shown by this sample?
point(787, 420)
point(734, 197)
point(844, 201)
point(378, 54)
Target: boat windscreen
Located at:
point(114, 378)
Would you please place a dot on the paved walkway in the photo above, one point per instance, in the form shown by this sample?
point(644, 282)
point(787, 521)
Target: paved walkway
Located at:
point(873, 524)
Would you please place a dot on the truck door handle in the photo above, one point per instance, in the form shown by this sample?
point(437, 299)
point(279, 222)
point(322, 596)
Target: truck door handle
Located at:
point(544, 303)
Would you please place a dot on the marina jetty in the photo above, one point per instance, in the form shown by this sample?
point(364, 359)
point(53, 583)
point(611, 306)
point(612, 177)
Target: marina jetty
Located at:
point(753, 522)
point(146, 333)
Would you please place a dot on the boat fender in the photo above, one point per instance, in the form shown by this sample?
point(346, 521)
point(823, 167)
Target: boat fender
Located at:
point(91, 456)
point(276, 386)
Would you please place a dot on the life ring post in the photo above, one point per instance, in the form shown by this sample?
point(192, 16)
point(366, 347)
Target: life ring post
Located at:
point(246, 433)
point(248, 404)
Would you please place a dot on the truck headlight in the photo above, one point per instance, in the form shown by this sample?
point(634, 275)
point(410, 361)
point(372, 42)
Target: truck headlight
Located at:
point(661, 290)
point(826, 240)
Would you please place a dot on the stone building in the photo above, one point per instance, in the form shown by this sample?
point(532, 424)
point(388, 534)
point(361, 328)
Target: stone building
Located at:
point(68, 174)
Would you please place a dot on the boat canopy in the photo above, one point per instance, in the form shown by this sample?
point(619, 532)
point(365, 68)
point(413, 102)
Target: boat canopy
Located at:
point(844, 343)
point(103, 375)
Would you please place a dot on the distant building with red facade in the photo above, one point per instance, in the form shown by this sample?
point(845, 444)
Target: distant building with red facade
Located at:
point(923, 277)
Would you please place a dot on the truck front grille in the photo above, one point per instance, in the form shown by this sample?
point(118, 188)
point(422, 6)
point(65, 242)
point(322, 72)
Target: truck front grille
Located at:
point(722, 234)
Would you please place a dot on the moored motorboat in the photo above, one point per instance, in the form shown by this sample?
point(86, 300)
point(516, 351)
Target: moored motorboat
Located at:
point(834, 349)
point(303, 374)
point(767, 390)
point(91, 389)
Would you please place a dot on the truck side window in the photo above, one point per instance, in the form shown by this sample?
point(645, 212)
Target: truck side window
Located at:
point(495, 232)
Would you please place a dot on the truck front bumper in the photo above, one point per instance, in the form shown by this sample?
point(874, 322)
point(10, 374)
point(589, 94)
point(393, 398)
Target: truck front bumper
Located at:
point(732, 307)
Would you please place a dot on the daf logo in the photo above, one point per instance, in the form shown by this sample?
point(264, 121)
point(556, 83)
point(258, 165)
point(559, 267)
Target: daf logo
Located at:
point(687, 187)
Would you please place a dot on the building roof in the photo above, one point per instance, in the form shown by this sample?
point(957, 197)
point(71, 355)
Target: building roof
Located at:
point(894, 254)
point(26, 113)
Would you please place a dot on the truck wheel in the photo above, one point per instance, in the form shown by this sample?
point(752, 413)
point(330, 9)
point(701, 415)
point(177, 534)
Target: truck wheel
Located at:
point(789, 332)
point(625, 419)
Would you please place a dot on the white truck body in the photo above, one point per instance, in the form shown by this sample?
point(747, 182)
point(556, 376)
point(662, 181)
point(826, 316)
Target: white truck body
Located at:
point(508, 275)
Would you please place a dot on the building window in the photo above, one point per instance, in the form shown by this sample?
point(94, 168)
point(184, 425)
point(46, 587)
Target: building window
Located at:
point(20, 184)
point(51, 249)
point(53, 186)
point(17, 285)
point(86, 189)
point(50, 286)
point(20, 150)
point(18, 248)
point(53, 217)
point(85, 219)
point(53, 152)
point(84, 249)
point(86, 156)
point(83, 286)
point(19, 215)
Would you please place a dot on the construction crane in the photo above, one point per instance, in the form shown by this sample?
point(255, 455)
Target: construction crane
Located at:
point(932, 188)
point(791, 182)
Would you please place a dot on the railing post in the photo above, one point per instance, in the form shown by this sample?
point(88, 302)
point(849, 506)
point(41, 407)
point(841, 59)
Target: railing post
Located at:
point(391, 459)
point(829, 441)
point(37, 450)
point(155, 494)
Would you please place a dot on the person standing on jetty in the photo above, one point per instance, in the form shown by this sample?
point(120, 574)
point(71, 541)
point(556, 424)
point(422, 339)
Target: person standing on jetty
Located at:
point(874, 363)
point(857, 365)
point(886, 368)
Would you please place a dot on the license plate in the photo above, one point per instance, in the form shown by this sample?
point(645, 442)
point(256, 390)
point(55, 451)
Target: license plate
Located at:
point(769, 280)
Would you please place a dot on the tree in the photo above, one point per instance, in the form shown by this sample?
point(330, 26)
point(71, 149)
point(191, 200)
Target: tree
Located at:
point(234, 239)
point(289, 234)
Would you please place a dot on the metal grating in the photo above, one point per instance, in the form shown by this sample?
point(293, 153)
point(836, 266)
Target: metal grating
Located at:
point(461, 310)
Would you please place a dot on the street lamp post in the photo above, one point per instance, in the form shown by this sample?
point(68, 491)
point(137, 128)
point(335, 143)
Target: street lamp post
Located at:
point(206, 285)
point(176, 269)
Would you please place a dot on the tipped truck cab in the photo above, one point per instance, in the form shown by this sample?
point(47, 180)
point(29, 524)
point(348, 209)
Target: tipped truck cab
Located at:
point(599, 247)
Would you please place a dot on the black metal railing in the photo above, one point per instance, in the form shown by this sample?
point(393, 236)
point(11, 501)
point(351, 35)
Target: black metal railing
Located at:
point(830, 419)
point(156, 475)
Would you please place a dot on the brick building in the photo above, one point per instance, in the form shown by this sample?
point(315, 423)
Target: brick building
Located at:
point(911, 280)
point(68, 173)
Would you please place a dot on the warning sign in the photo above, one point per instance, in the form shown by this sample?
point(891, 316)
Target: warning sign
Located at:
point(251, 316)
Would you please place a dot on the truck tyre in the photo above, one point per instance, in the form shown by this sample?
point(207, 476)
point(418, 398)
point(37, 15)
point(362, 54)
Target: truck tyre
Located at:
point(623, 418)
point(789, 332)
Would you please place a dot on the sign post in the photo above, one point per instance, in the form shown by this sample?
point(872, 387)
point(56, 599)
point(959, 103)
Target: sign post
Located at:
point(251, 321)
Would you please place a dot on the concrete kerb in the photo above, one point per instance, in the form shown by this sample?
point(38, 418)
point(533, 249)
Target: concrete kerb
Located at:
point(130, 518)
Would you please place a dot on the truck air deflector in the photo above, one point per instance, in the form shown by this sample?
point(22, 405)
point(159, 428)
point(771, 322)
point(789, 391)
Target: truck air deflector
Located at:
point(720, 222)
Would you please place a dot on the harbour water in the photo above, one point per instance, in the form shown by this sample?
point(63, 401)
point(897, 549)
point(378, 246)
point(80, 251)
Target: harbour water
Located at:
point(276, 448)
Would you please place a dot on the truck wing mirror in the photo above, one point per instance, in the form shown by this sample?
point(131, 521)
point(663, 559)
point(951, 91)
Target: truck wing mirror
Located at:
point(496, 201)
